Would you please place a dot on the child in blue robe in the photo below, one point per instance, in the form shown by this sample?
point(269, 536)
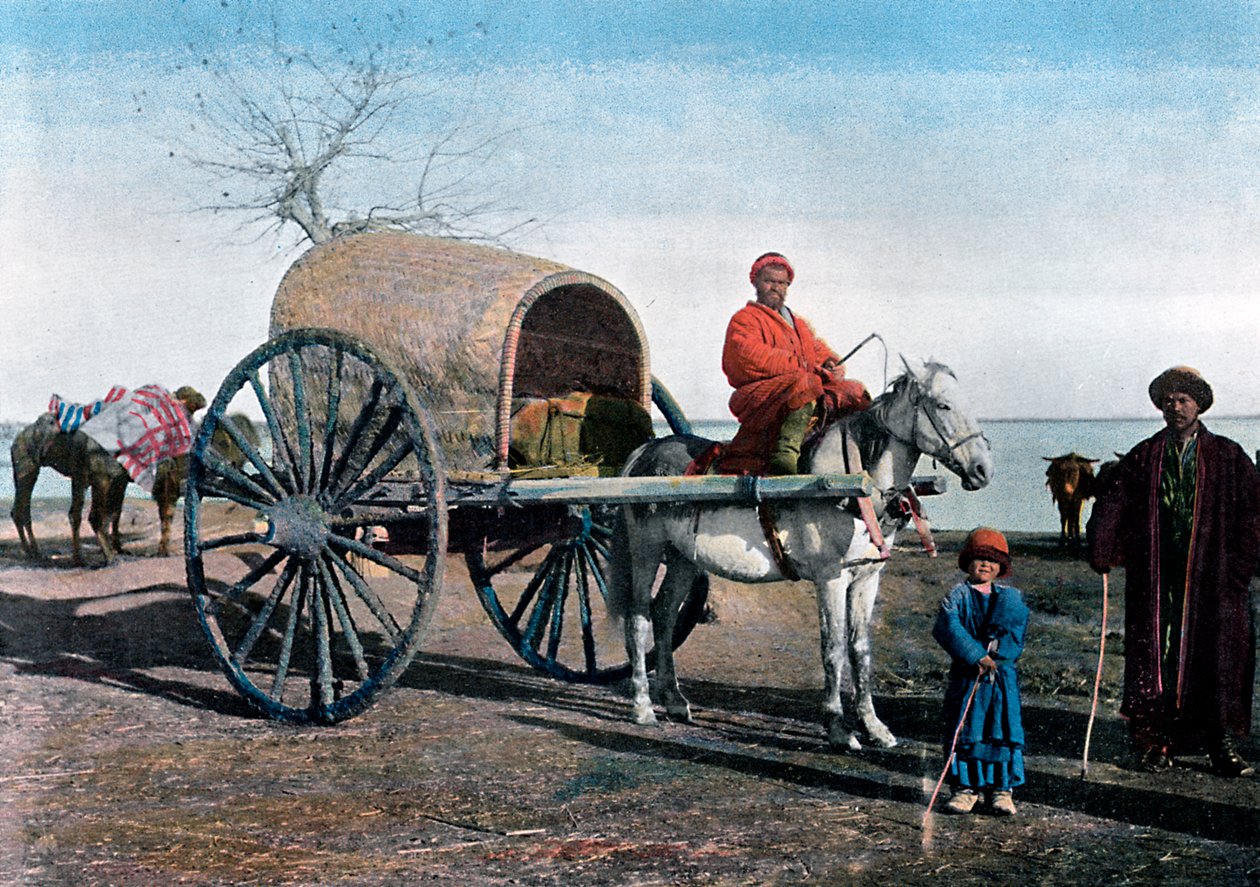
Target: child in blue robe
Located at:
point(981, 625)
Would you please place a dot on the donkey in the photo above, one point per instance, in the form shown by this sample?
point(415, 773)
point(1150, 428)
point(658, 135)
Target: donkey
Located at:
point(824, 541)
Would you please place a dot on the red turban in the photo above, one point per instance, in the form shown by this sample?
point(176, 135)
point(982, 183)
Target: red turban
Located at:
point(770, 259)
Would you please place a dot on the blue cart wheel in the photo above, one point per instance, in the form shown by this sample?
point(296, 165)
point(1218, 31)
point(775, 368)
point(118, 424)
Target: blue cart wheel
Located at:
point(547, 598)
point(309, 620)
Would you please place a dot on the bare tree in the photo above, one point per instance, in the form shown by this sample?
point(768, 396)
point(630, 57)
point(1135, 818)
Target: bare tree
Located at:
point(323, 149)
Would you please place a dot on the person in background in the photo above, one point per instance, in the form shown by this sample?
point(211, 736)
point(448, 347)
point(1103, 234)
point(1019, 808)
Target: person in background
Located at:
point(782, 375)
point(981, 625)
point(1181, 514)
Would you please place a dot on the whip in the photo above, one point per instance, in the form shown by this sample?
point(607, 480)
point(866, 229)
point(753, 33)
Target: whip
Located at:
point(953, 749)
point(1093, 709)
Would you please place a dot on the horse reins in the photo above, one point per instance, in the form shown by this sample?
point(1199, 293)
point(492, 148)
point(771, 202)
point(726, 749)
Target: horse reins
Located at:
point(948, 459)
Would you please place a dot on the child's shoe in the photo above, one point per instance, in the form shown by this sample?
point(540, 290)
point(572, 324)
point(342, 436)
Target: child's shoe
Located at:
point(962, 801)
point(1002, 804)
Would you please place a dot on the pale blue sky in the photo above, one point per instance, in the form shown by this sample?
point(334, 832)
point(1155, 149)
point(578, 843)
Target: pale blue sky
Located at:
point(1057, 199)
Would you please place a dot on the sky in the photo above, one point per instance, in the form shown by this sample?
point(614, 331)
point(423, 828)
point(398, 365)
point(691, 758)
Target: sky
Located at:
point(1058, 200)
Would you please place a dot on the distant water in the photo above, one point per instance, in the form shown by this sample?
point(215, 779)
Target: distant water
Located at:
point(1017, 499)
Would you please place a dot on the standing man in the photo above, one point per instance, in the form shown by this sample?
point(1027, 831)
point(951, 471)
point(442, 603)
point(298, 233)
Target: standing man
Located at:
point(780, 372)
point(1181, 514)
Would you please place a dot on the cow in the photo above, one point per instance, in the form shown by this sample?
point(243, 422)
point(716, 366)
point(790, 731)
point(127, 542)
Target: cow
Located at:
point(1071, 481)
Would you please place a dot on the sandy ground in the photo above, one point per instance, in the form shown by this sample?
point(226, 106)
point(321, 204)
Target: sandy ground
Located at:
point(129, 760)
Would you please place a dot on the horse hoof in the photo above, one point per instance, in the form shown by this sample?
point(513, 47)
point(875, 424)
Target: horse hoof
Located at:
point(844, 741)
point(882, 739)
point(679, 715)
point(644, 716)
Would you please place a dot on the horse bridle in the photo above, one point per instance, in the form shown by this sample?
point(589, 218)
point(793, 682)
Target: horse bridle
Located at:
point(949, 460)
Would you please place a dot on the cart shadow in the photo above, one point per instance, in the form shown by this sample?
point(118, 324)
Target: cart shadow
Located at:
point(117, 641)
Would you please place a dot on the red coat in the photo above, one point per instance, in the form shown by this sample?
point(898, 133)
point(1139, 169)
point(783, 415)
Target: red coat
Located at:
point(1212, 682)
point(776, 368)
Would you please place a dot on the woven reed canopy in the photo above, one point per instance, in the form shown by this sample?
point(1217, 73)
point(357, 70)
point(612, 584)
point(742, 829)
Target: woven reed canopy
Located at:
point(470, 327)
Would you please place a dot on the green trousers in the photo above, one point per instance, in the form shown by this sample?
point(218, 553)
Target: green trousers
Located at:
point(786, 452)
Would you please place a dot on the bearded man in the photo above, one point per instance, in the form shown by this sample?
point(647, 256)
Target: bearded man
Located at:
point(1181, 514)
point(782, 375)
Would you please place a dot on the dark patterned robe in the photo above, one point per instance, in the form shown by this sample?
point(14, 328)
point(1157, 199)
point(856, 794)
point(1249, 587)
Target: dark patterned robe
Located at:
point(1204, 687)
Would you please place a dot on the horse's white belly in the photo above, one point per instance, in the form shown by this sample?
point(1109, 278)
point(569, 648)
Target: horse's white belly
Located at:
point(731, 543)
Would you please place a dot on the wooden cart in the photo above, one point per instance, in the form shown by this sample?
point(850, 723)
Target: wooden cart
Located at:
point(389, 388)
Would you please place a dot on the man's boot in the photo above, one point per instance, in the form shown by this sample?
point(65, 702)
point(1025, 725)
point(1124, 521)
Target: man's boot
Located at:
point(786, 452)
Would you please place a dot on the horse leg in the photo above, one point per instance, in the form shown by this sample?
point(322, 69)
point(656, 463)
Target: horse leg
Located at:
point(23, 487)
point(117, 494)
point(679, 576)
point(76, 516)
point(862, 594)
point(98, 517)
point(643, 561)
point(832, 615)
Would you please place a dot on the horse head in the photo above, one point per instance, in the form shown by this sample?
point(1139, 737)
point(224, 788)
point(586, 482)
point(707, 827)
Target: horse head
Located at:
point(924, 410)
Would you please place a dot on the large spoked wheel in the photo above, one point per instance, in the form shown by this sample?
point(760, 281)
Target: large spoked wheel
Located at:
point(307, 618)
point(548, 597)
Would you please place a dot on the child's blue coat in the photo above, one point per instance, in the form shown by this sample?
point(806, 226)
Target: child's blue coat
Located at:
point(990, 752)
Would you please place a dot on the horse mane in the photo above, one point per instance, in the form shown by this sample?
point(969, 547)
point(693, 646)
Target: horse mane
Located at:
point(870, 426)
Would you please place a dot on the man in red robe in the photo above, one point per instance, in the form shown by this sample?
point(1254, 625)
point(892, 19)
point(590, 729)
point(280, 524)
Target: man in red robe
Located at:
point(781, 373)
point(1181, 514)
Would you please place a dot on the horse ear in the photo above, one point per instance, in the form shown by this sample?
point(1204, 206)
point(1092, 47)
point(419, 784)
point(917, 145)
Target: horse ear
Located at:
point(914, 366)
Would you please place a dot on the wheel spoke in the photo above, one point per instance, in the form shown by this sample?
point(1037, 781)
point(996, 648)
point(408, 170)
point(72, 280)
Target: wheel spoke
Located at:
point(301, 417)
point(535, 582)
point(242, 585)
point(597, 571)
point(243, 483)
point(369, 480)
point(376, 557)
point(281, 453)
point(234, 539)
point(323, 676)
point(251, 453)
point(532, 635)
point(358, 464)
point(349, 631)
point(366, 412)
point(512, 558)
point(559, 598)
point(290, 632)
point(584, 609)
point(334, 407)
point(369, 598)
point(259, 623)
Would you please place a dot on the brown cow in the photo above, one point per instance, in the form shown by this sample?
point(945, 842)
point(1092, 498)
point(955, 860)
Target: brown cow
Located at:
point(1071, 481)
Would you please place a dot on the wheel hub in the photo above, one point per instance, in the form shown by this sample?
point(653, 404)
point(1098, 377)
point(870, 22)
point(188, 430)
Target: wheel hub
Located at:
point(299, 526)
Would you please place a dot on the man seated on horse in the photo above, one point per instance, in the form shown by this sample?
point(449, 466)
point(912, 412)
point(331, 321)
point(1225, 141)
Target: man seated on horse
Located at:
point(783, 376)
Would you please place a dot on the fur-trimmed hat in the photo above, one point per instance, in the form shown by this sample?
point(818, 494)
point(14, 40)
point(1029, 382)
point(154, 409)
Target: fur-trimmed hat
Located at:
point(1186, 380)
point(987, 543)
point(770, 259)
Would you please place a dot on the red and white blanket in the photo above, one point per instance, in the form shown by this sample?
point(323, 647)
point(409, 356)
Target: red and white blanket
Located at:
point(141, 428)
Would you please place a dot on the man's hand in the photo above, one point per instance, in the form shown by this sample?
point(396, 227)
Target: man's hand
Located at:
point(986, 665)
point(831, 363)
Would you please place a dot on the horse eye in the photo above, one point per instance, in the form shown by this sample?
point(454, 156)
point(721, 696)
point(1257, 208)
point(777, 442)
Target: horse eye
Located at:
point(942, 405)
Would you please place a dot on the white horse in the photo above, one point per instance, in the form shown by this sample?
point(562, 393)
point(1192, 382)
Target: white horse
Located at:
point(824, 540)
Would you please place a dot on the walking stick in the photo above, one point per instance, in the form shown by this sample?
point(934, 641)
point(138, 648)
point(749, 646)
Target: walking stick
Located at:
point(1093, 709)
point(953, 749)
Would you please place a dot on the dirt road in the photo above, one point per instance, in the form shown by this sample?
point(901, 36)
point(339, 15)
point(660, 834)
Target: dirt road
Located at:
point(129, 760)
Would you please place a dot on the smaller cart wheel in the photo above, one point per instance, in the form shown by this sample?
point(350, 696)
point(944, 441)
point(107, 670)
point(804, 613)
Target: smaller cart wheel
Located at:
point(549, 600)
point(309, 621)
point(548, 597)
